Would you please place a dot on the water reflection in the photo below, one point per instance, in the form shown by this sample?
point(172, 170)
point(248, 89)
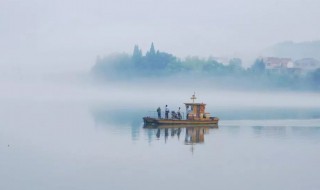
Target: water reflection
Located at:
point(270, 131)
point(166, 132)
point(307, 133)
point(129, 122)
point(118, 120)
point(288, 132)
point(195, 135)
point(115, 121)
point(192, 134)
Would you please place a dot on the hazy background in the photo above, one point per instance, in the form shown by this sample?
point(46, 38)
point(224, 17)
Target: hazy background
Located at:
point(61, 130)
point(66, 36)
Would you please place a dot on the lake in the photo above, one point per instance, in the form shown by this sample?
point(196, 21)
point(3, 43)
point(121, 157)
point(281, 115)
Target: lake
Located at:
point(51, 144)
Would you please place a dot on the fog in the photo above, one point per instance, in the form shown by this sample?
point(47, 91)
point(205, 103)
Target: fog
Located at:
point(67, 36)
point(71, 133)
point(61, 128)
point(145, 93)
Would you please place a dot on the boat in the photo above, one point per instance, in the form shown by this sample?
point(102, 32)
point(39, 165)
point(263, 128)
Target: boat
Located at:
point(195, 115)
point(186, 126)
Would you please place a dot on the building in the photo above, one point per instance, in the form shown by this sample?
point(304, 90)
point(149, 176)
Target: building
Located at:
point(275, 63)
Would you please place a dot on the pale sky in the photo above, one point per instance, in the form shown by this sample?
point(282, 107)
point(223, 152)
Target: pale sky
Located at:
point(68, 35)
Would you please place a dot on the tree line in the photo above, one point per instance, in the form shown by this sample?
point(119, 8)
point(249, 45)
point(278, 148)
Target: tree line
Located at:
point(161, 64)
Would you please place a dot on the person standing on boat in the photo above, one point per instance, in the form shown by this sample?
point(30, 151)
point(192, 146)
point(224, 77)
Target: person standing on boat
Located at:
point(179, 113)
point(159, 112)
point(167, 112)
point(188, 112)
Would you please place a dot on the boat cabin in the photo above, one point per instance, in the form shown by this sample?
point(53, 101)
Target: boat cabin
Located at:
point(196, 111)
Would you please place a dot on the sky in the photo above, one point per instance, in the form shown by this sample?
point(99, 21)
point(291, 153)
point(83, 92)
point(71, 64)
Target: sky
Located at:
point(68, 35)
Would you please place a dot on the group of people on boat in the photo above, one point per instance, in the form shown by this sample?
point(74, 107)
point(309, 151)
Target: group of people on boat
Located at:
point(174, 115)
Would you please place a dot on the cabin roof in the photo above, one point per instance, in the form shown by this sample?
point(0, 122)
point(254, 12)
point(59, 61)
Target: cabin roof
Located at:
point(194, 104)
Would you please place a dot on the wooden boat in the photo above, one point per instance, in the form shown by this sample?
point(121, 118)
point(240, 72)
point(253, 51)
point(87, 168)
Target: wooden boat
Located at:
point(195, 115)
point(165, 126)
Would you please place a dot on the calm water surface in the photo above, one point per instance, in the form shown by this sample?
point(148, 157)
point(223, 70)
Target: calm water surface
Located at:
point(59, 145)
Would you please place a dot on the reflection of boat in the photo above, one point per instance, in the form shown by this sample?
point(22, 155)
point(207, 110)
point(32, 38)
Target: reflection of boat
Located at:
point(195, 115)
point(193, 134)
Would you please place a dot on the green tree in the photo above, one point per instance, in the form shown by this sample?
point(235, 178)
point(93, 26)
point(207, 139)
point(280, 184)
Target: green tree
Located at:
point(258, 67)
point(137, 53)
point(152, 51)
point(315, 78)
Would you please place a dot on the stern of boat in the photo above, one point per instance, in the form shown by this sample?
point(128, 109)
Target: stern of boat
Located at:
point(149, 121)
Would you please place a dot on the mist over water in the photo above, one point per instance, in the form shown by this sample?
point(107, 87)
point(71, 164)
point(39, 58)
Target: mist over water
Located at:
point(62, 127)
point(148, 93)
point(72, 133)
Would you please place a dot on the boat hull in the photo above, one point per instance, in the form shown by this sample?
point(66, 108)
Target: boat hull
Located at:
point(155, 122)
point(164, 126)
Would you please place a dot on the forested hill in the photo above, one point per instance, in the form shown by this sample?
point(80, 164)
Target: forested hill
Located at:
point(156, 64)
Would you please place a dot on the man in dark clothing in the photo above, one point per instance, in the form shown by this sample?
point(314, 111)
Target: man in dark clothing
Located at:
point(179, 114)
point(159, 112)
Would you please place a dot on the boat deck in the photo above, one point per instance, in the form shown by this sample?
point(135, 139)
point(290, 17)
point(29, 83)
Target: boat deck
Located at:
point(155, 121)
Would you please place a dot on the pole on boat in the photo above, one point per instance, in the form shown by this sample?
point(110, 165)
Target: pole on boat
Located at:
point(193, 97)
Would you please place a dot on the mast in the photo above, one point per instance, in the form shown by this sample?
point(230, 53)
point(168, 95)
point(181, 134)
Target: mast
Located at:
point(193, 97)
